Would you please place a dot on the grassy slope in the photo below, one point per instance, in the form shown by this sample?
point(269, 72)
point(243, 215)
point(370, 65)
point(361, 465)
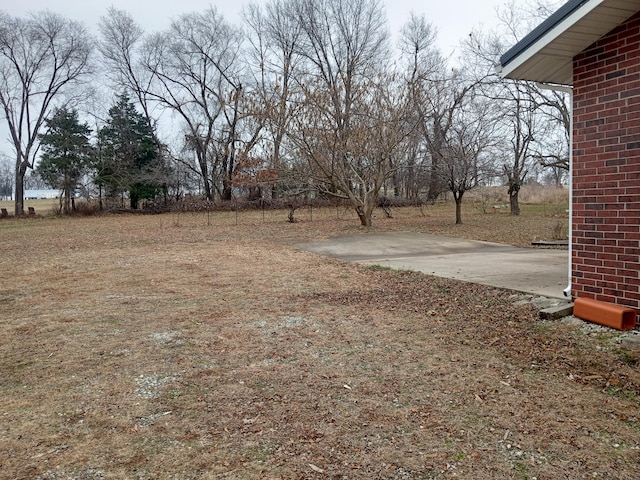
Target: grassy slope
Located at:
point(184, 346)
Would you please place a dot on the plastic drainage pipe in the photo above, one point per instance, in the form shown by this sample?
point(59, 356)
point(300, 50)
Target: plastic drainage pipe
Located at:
point(569, 90)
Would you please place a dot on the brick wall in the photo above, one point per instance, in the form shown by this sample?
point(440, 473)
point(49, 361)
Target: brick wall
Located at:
point(606, 176)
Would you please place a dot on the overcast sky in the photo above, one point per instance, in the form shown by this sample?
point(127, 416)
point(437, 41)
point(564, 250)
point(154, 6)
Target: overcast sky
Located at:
point(454, 19)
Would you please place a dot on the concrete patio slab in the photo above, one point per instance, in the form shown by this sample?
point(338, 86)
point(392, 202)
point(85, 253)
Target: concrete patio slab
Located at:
point(536, 271)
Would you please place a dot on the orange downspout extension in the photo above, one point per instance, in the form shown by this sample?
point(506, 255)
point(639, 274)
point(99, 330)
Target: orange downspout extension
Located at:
point(604, 313)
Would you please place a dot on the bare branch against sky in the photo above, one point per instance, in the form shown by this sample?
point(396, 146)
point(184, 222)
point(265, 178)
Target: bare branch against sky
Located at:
point(454, 19)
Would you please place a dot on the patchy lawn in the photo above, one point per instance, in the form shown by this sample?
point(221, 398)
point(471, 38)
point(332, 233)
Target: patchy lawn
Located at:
point(186, 346)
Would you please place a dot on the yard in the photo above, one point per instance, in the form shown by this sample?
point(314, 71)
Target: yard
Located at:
point(206, 346)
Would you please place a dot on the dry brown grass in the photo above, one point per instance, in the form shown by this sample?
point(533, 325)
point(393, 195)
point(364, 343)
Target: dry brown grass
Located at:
point(42, 207)
point(184, 346)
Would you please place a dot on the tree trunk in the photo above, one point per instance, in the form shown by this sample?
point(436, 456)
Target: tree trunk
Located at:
point(275, 163)
point(207, 189)
point(204, 170)
point(436, 148)
point(458, 199)
point(67, 194)
point(514, 190)
point(515, 204)
point(226, 190)
point(365, 211)
point(255, 193)
point(434, 182)
point(67, 200)
point(365, 219)
point(21, 169)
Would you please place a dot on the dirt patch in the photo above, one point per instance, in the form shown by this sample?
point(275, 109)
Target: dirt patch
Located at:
point(165, 347)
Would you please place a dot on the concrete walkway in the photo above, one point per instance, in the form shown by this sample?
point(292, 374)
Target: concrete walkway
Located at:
point(537, 271)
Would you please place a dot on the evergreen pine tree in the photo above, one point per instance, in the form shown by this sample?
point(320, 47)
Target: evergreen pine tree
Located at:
point(128, 158)
point(65, 154)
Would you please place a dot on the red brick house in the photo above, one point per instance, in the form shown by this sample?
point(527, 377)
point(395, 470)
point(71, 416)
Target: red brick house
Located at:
point(592, 47)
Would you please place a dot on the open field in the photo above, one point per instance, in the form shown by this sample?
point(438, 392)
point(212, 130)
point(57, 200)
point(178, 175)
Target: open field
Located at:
point(185, 346)
point(42, 207)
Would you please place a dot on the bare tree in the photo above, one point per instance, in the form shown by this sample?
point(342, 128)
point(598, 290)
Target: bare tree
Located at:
point(466, 160)
point(530, 114)
point(41, 58)
point(553, 106)
point(515, 152)
point(120, 46)
point(197, 74)
point(344, 47)
point(421, 61)
point(275, 43)
point(455, 125)
point(439, 94)
point(447, 96)
point(356, 170)
point(521, 121)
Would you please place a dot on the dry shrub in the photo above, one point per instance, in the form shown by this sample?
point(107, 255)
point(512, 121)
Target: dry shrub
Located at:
point(560, 231)
point(529, 194)
point(87, 208)
point(538, 195)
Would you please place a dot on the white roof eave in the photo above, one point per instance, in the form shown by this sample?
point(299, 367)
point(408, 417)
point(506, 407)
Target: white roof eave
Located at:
point(546, 40)
point(550, 57)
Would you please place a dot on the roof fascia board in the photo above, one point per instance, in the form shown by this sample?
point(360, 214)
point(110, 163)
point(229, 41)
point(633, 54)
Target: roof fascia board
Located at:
point(548, 37)
point(532, 37)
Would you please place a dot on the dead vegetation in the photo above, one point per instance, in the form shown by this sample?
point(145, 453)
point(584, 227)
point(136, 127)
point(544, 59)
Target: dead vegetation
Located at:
point(184, 346)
